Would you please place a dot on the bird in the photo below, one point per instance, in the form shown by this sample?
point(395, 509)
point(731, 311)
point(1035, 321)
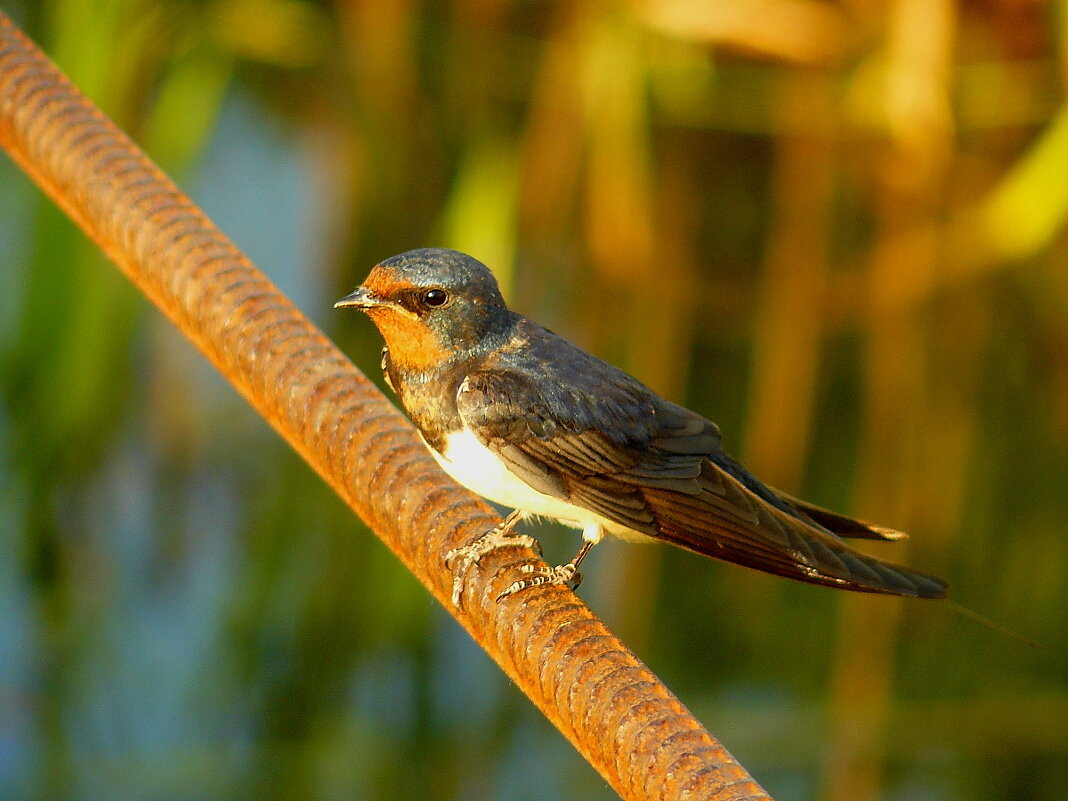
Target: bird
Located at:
point(529, 421)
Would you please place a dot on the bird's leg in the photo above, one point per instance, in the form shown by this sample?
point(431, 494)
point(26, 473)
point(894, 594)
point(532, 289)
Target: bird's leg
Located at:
point(567, 574)
point(500, 536)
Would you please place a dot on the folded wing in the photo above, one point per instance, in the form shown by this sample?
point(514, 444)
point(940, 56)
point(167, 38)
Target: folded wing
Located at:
point(608, 444)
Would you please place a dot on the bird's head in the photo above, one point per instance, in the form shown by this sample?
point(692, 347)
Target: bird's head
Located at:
point(430, 304)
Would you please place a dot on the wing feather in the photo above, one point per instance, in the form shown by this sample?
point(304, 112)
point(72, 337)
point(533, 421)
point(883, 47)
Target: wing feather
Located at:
point(616, 449)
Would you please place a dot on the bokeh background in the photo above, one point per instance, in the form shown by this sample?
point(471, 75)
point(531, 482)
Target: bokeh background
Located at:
point(837, 228)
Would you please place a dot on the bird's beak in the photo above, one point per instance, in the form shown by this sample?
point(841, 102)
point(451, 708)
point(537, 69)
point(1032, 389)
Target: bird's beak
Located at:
point(360, 299)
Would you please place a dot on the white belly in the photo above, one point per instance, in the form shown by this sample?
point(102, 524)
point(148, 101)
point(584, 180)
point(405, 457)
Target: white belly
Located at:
point(479, 469)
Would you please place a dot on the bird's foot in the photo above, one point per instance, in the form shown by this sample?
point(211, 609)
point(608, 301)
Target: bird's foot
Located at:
point(566, 575)
point(467, 556)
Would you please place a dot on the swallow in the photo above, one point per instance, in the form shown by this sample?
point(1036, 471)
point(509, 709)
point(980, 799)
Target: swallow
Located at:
point(529, 421)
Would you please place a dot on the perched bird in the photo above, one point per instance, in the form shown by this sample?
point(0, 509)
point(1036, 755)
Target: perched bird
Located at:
point(526, 419)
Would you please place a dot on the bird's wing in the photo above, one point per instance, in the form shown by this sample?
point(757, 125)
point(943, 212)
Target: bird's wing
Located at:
point(561, 444)
point(618, 450)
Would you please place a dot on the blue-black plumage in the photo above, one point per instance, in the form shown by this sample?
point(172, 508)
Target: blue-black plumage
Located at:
point(526, 419)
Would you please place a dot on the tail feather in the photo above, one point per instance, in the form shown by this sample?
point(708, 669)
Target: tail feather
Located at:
point(843, 526)
point(823, 518)
point(728, 520)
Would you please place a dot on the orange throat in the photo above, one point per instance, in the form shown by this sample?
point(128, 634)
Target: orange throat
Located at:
point(412, 345)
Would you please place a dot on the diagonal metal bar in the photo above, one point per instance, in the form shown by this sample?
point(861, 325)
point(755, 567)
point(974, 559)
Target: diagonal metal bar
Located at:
point(619, 716)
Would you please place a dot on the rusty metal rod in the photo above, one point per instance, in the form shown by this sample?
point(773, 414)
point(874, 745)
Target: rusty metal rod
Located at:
point(619, 716)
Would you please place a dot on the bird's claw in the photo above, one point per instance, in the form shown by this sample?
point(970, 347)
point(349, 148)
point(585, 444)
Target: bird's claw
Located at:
point(467, 556)
point(566, 575)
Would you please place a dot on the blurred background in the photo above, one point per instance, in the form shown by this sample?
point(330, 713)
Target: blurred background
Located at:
point(836, 228)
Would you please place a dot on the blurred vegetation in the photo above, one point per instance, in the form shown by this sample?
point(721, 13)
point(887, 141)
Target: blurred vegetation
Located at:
point(837, 228)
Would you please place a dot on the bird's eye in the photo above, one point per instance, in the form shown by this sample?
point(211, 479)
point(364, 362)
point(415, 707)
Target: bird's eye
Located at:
point(435, 298)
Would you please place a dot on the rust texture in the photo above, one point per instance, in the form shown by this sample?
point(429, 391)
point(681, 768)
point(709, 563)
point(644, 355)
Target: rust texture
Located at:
point(619, 716)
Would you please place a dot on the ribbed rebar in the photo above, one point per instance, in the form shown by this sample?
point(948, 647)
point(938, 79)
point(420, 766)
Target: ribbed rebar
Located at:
point(619, 716)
